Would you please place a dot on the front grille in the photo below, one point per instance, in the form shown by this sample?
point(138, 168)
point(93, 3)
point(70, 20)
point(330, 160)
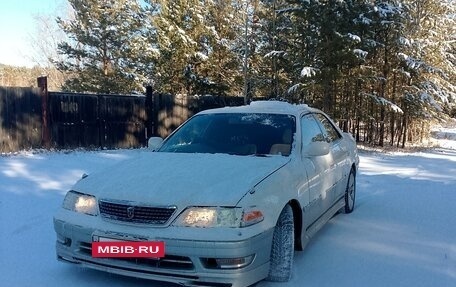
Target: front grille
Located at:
point(167, 262)
point(135, 214)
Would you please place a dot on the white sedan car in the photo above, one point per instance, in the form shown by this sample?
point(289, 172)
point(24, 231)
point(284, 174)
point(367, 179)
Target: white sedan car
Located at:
point(227, 198)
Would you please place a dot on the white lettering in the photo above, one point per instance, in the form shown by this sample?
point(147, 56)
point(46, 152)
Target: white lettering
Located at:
point(102, 249)
point(115, 249)
point(148, 249)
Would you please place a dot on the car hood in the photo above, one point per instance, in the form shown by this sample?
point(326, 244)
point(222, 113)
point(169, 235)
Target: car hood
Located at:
point(181, 179)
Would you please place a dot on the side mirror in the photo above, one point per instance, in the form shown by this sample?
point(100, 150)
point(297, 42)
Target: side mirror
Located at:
point(154, 143)
point(318, 148)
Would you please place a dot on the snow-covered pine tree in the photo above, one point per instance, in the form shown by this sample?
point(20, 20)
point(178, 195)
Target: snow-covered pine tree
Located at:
point(222, 69)
point(106, 51)
point(429, 58)
point(385, 27)
point(182, 38)
point(275, 30)
point(324, 50)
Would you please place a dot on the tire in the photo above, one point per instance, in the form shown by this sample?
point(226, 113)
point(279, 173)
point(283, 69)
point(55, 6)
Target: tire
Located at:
point(350, 193)
point(282, 251)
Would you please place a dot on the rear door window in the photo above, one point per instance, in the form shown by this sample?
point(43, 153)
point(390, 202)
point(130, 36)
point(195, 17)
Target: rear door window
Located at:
point(329, 130)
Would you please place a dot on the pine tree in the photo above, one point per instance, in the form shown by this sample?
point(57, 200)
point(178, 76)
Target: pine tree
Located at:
point(182, 40)
point(430, 59)
point(275, 31)
point(107, 51)
point(222, 69)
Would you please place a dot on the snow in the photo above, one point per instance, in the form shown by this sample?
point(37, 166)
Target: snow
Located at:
point(274, 106)
point(425, 97)
point(293, 89)
point(363, 19)
point(445, 136)
point(385, 102)
point(411, 62)
point(309, 72)
point(201, 56)
point(402, 231)
point(360, 53)
point(406, 42)
point(213, 183)
point(275, 54)
point(386, 9)
point(354, 38)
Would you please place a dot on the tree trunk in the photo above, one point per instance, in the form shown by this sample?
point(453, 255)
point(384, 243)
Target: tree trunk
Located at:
point(382, 125)
point(393, 114)
point(404, 133)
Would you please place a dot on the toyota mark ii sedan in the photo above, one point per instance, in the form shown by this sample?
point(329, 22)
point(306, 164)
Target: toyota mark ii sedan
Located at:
point(231, 194)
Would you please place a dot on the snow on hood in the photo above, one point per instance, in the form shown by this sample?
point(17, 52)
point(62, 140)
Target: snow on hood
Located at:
point(181, 179)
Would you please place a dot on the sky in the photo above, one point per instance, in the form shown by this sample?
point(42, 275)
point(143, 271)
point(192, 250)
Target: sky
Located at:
point(17, 24)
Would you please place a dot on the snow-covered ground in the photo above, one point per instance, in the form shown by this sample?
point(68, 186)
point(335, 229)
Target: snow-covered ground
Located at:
point(445, 136)
point(402, 232)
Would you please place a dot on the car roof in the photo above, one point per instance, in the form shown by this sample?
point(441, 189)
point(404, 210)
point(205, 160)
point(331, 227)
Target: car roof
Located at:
point(265, 107)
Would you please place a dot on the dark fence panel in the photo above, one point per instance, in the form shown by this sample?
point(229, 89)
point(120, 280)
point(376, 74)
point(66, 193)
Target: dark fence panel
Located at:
point(169, 112)
point(108, 121)
point(123, 121)
point(200, 103)
point(74, 120)
point(172, 110)
point(20, 118)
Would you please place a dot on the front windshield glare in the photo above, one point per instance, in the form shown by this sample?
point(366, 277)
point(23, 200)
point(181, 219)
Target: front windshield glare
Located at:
point(234, 133)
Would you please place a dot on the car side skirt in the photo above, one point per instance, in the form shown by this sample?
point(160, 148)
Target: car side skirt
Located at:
point(313, 228)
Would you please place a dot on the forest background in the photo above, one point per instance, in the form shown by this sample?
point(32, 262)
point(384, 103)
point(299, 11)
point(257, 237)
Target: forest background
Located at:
point(382, 69)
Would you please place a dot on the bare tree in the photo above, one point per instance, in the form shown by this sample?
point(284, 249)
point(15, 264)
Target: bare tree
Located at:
point(44, 42)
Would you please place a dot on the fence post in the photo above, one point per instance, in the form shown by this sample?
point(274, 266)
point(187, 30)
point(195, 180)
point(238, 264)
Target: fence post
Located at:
point(46, 133)
point(149, 112)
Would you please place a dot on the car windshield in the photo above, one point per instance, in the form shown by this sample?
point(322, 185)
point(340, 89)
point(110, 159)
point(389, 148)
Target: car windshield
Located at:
point(234, 133)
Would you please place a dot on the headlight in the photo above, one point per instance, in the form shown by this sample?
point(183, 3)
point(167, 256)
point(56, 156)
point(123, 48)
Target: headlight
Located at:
point(210, 217)
point(218, 217)
point(80, 202)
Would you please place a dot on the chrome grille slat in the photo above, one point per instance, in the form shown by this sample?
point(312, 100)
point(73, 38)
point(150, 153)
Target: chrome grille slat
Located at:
point(86, 246)
point(141, 214)
point(176, 261)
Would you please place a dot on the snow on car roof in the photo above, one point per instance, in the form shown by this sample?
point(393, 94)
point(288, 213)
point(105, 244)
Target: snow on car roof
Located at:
point(274, 107)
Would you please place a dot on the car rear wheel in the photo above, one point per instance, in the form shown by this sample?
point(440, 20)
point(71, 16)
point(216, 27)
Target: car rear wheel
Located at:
point(282, 250)
point(350, 193)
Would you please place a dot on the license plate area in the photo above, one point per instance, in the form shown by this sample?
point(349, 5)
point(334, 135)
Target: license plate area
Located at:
point(105, 247)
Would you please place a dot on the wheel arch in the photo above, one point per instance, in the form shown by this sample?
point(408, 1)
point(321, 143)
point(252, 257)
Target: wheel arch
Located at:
point(297, 220)
point(353, 168)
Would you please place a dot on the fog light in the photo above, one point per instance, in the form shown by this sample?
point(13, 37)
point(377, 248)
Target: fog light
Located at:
point(231, 263)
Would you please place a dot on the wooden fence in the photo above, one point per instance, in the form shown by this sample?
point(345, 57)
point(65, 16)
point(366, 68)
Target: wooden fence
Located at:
point(20, 118)
point(36, 118)
point(169, 111)
point(108, 121)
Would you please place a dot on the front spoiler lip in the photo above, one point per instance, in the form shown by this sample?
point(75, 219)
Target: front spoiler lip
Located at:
point(184, 278)
point(104, 267)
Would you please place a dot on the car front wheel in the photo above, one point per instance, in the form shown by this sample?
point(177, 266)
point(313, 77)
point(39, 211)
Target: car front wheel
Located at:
point(282, 250)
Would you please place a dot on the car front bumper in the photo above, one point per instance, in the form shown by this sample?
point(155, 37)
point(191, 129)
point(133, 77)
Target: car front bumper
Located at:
point(186, 262)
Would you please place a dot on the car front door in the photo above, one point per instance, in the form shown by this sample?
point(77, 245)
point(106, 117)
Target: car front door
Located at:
point(318, 169)
point(339, 154)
